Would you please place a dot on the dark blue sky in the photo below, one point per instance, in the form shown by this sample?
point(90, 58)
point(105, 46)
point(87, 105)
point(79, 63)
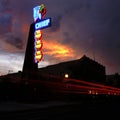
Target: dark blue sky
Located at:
point(90, 27)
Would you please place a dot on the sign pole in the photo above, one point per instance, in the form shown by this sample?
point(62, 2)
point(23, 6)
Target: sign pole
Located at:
point(34, 54)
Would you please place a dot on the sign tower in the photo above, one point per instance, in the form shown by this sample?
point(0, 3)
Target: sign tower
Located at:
point(34, 52)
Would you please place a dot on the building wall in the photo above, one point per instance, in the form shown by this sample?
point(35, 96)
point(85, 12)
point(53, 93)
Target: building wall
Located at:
point(84, 68)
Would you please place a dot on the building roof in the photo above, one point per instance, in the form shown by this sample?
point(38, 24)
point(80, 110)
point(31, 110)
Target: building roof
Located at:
point(84, 58)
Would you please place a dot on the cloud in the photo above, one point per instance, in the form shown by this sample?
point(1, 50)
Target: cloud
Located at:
point(5, 17)
point(5, 23)
point(56, 22)
point(57, 51)
point(8, 47)
point(16, 41)
point(10, 62)
point(91, 28)
point(5, 6)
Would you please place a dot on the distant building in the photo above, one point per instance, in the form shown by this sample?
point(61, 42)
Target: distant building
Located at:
point(83, 68)
point(113, 79)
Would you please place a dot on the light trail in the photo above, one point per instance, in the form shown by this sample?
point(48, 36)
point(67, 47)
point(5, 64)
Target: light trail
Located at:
point(67, 85)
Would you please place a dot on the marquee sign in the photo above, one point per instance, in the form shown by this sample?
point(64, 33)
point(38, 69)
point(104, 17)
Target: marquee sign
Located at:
point(40, 23)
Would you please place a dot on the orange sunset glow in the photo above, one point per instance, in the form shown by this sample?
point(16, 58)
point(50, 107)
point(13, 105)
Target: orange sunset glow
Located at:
point(57, 50)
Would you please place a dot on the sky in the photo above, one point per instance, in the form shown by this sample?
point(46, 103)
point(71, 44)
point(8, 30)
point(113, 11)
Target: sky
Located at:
point(79, 27)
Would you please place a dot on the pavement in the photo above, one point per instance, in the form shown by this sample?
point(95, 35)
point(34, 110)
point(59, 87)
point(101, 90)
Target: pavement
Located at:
point(57, 110)
point(16, 106)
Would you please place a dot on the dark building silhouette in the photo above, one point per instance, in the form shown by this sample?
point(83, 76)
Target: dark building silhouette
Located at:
point(30, 68)
point(113, 79)
point(83, 68)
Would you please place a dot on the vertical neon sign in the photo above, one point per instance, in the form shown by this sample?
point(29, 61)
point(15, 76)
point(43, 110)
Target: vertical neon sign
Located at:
point(40, 23)
point(38, 46)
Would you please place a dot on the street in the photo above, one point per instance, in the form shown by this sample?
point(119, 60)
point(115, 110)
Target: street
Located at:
point(59, 110)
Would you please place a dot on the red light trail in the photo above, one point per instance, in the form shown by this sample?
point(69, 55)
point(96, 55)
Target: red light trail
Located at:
point(57, 84)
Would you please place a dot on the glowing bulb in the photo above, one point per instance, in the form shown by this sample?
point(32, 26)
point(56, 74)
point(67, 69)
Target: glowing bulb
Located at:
point(38, 42)
point(38, 53)
point(39, 46)
point(66, 75)
point(38, 34)
point(39, 57)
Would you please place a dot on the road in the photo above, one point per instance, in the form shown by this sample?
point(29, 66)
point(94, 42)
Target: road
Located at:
point(63, 111)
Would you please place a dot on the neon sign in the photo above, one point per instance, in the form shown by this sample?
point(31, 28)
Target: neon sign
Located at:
point(39, 12)
point(36, 14)
point(40, 23)
point(38, 46)
point(43, 24)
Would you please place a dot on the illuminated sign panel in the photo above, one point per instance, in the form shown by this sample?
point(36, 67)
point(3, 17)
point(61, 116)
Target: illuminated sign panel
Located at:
point(40, 23)
point(36, 14)
point(43, 24)
point(38, 46)
point(39, 12)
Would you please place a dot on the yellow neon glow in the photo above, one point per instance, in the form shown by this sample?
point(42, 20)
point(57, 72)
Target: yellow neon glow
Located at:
point(39, 46)
point(38, 42)
point(42, 6)
point(38, 57)
point(38, 31)
point(38, 34)
point(38, 52)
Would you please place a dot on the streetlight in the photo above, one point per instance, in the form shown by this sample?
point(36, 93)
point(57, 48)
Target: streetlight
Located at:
point(66, 75)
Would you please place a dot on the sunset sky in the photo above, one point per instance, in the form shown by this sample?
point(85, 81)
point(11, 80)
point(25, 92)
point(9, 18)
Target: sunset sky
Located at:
point(79, 27)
